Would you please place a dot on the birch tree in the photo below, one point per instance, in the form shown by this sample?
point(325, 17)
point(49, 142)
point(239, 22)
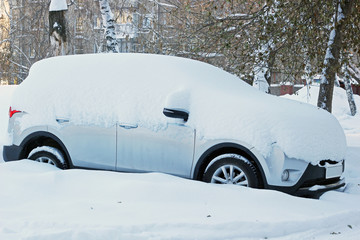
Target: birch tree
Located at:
point(109, 25)
point(349, 92)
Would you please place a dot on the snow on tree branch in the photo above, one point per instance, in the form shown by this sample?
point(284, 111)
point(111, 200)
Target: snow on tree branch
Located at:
point(163, 4)
point(58, 5)
point(354, 73)
point(236, 17)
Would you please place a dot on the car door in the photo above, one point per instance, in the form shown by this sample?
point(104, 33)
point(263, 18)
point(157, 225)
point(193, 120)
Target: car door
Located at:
point(168, 149)
point(89, 146)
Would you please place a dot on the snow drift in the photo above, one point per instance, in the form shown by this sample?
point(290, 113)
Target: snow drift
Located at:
point(104, 89)
point(39, 201)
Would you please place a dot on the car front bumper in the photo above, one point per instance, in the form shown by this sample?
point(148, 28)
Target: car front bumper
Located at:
point(317, 190)
point(313, 183)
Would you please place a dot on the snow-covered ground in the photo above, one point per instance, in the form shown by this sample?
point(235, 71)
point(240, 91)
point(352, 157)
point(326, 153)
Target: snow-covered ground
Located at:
point(40, 202)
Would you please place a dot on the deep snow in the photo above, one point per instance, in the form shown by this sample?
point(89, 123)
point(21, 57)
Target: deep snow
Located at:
point(40, 202)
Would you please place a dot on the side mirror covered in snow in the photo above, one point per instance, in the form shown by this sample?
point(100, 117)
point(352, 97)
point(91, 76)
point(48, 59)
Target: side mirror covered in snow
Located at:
point(176, 113)
point(177, 104)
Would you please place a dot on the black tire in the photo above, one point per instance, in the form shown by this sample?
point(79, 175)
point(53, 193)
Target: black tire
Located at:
point(243, 172)
point(48, 158)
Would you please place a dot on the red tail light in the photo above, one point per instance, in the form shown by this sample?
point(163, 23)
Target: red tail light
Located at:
point(12, 112)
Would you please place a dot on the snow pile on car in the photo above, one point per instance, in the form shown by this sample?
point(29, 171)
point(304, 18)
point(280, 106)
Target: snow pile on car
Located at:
point(104, 89)
point(340, 108)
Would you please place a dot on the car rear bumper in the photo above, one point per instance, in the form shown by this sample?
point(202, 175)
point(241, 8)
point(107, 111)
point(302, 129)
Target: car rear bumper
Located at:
point(313, 183)
point(11, 153)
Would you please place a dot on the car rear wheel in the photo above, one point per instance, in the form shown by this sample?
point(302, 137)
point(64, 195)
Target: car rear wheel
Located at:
point(235, 170)
point(48, 155)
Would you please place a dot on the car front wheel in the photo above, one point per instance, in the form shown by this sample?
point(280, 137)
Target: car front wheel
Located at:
point(235, 170)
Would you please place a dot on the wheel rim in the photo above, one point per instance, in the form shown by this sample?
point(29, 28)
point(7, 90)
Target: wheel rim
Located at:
point(45, 160)
point(230, 174)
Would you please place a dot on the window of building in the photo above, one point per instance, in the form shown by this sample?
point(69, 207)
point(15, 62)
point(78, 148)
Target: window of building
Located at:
point(126, 17)
point(123, 17)
point(80, 3)
point(79, 46)
point(32, 52)
point(79, 25)
point(97, 22)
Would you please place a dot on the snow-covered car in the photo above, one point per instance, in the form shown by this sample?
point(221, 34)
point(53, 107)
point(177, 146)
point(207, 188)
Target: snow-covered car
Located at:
point(146, 113)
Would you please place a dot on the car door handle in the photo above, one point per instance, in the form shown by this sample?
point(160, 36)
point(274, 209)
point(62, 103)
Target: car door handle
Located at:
point(128, 125)
point(62, 120)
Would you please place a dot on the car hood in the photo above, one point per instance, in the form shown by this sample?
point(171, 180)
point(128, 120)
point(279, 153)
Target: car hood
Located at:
point(301, 130)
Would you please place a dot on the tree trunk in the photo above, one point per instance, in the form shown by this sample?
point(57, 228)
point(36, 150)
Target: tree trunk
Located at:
point(57, 25)
point(271, 62)
point(349, 91)
point(332, 56)
point(109, 24)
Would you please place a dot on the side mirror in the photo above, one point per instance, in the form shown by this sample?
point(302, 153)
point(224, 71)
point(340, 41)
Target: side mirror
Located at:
point(176, 113)
point(177, 104)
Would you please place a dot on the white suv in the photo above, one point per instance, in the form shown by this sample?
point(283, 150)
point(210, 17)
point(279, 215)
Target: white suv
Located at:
point(144, 113)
